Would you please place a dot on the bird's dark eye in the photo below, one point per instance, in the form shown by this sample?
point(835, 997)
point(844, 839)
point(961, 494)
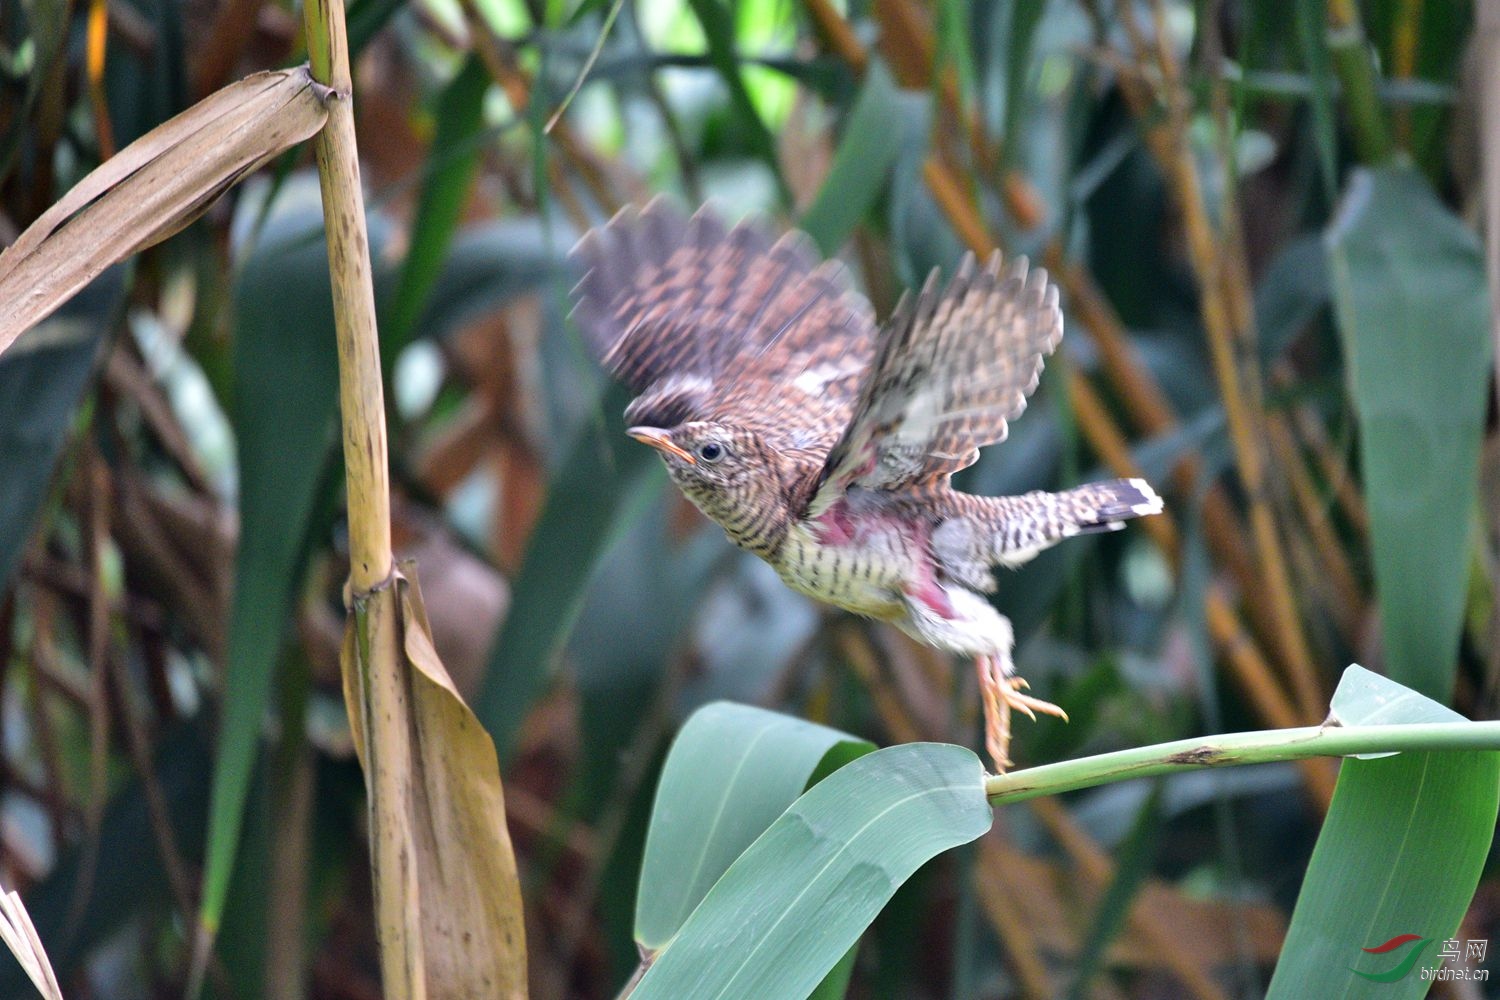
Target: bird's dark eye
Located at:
point(711, 452)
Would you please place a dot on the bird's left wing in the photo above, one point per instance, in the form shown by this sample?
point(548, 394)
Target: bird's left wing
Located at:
point(953, 367)
point(705, 321)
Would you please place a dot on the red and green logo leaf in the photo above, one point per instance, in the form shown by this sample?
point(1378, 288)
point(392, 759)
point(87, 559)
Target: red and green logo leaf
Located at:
point(1413, 944)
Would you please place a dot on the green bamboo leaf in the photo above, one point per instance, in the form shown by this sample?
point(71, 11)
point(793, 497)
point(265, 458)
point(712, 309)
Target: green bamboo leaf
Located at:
point(861, 164)
point(1400, 853)
point(797, 899)
point(452, 160)
point(732, 770)
point(1409, 293)
point(284, 409)
point(1365, 698)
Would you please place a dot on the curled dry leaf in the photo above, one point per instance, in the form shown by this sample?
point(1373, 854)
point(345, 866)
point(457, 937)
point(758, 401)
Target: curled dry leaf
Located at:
point(19, 935)
point(152, 189)
point(448, 890)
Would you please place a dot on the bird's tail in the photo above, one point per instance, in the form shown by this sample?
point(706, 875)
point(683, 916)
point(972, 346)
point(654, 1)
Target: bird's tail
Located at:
point(1009, 531)
point(1027, 524)
point(1105, 506)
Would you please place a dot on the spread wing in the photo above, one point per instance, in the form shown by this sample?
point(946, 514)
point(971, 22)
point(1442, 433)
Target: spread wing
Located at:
point(706, 322)
point(954, 366)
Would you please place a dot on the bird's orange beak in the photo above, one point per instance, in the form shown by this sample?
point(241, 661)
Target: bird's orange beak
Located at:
point(661, 441)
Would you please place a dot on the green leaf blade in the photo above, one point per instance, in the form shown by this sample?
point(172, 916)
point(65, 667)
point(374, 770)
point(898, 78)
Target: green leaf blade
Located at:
point(284, 414)
point(1401, 852)
point(1411, 301)
point(733, 769)
point(452, 164)
point(861, 165)
point(792, 905)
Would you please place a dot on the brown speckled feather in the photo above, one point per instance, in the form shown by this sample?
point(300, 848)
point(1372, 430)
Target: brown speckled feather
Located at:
point(954, 367)
point(707, 322)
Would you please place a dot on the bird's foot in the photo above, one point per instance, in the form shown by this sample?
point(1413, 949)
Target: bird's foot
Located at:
point(1000, 694)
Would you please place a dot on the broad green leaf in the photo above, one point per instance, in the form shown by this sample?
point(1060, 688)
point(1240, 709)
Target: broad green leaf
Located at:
point(1400, 853)
point(451, 163)
point(42, 377)
point(798, 898)
point(1409, 292)
point(861, 165)
point(1365, 698)
point(284, 408)
point(732, 770)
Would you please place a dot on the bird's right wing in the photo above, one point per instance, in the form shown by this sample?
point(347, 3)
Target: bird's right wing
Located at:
point(708, 322)
point(954, 366)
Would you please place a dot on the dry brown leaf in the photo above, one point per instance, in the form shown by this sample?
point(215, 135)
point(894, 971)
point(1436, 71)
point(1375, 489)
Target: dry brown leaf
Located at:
point(153, 188)
point(437, 812)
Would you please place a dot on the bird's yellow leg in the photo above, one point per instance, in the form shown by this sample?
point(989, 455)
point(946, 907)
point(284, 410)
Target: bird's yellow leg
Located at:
point(992, 688)
point(1000, 694)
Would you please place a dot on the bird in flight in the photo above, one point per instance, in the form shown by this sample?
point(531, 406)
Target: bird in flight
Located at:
point(824, 443)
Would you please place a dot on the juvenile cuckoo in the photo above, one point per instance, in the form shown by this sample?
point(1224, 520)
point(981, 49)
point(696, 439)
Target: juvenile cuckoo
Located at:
point(824, 443)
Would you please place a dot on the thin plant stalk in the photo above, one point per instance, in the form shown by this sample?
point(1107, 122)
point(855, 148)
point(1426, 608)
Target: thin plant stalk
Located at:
point(1354, 62)
point(382, 704)
point(1259, 747)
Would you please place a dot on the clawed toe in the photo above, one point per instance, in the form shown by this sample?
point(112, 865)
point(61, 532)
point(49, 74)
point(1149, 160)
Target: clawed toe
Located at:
point(999, 695)
point(1026, 703)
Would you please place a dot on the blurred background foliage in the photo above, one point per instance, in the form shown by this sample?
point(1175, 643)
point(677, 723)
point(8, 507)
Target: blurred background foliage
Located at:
point(1239, 199)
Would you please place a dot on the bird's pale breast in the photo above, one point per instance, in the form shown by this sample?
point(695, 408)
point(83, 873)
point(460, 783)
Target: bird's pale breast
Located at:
point(863, 572)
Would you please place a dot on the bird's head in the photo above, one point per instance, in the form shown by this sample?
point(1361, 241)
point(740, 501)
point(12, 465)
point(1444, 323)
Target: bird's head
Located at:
point(705, 457)
point(726, 469)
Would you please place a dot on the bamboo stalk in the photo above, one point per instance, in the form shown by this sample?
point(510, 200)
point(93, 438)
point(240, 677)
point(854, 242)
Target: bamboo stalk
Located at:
point(383, 704)
point(1405, 36)
point(1147, 405)
point(906, 43)
point(1354, 62)
point(361, 396)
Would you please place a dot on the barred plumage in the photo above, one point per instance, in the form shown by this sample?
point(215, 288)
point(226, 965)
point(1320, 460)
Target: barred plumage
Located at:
point(825, 445)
